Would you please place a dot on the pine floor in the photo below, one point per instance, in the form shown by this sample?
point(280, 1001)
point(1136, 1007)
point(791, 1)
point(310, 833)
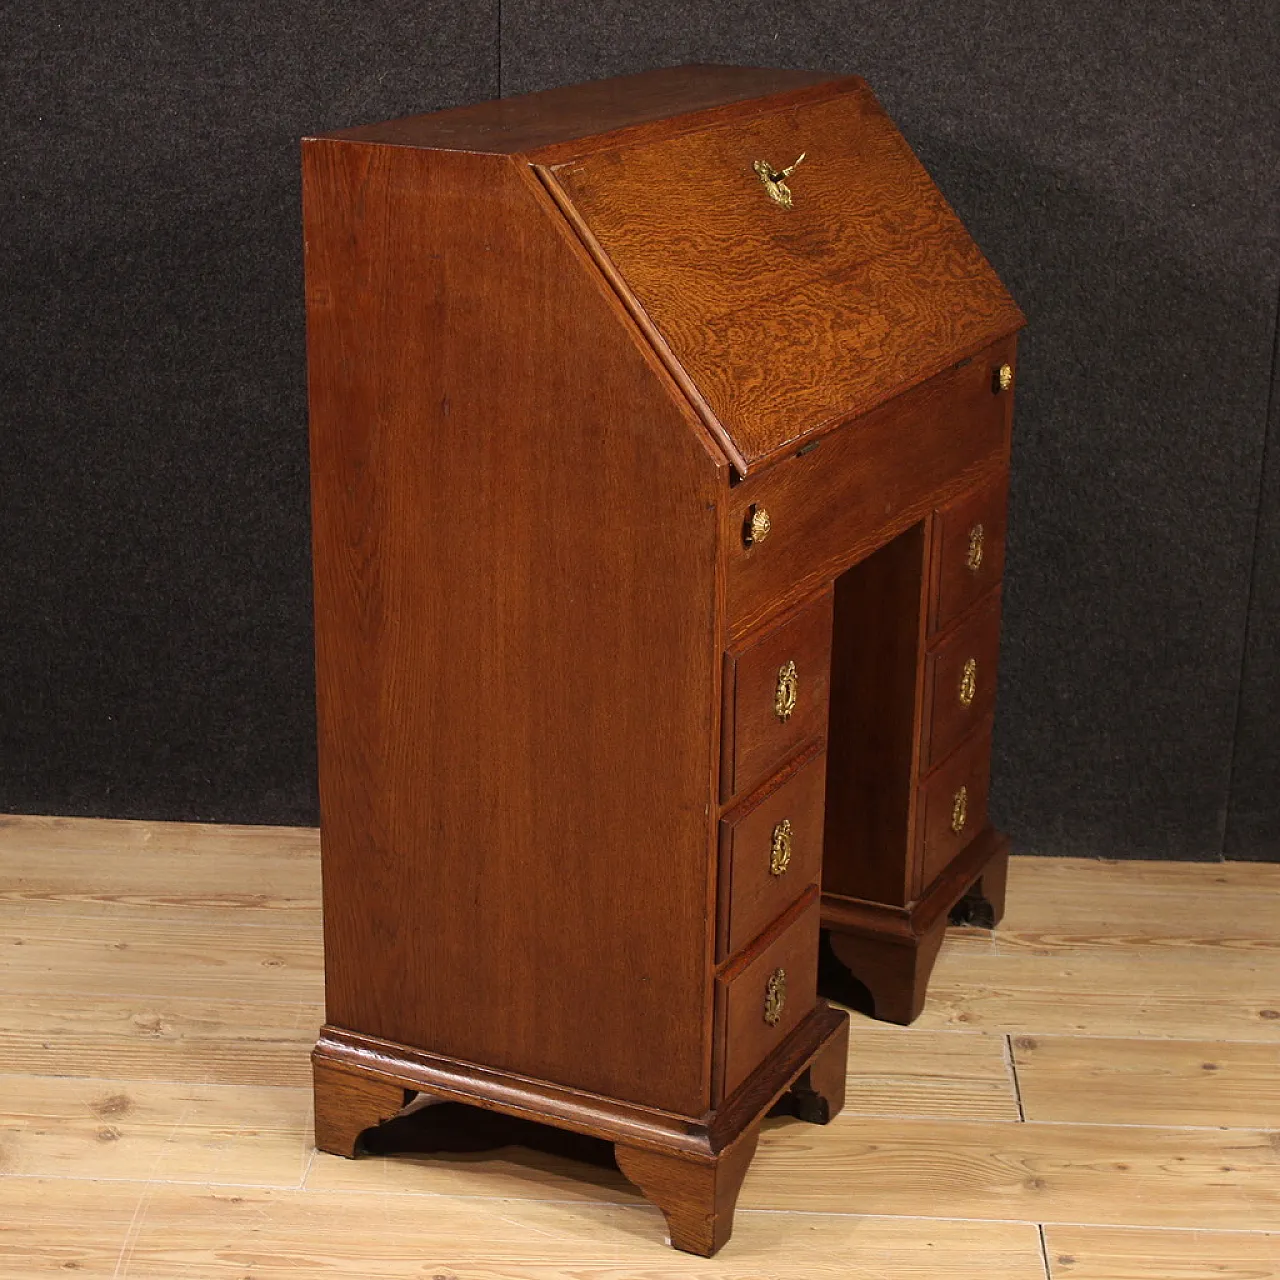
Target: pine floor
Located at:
point(1093, 1093)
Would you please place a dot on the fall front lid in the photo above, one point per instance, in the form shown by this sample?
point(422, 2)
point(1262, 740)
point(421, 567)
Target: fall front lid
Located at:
point(787, 294)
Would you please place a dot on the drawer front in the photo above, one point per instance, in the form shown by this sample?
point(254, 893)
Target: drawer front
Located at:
point(952, 807)
point(776, 689)
point(770, 853)
point(960, 682)
point(765, 997)
point(860, 486)
point(968, 551)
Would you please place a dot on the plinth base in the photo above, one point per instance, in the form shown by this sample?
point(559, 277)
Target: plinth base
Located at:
point(692, 1169)
point(891, 950)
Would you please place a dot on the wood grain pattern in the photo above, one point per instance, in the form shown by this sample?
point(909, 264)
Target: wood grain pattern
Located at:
point(791, 947)
point(945, 716)
point(697, 1198)
point(756, 739)
point(1109, 1175)
point(155, 1129)
point(157, 1231)
point(1125, 988)
point(835, 504)
point(1228, 904)
point(752, 893)
point(952, 806)
point(218, 1039)
point(1163, 1082)
point(946, 1075)
point(888, 289)
point(1116, 1253)
point(937, 1110)
point(110, 866)
point(983, 513)
point(156, 959)
point(533, 875)
point(348, 1103)
point(872, 754)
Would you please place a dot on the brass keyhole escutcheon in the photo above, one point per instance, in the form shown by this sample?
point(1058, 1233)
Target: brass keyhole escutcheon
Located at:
point(969, 682)
point(756, 526)
point(1003, 379)
point(960, 810)
point(775, 180)
point(784, 698)
point(977, 536)
point(775, 996)
point(780, 848)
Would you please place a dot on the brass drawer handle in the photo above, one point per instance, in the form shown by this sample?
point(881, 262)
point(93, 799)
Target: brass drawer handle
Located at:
point(775, 180)
point(977, 536)
point(960, 810)
point(1003, 379)
point(969, 682)
point(780, 848)
point(756, 526)
point(775, 996)
point(784, 698)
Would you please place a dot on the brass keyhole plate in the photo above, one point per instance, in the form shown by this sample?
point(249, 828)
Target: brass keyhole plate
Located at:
point(775, 996)
point(784, 698)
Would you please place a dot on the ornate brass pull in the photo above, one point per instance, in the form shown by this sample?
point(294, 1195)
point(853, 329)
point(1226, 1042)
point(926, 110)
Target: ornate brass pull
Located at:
point(1003, 379)
point(960, 810)
point(775, 180)
point(969, 682)
point(784, 698)
point(977, 535)
point(775, 996)
point(780, 848)
point(756, 527)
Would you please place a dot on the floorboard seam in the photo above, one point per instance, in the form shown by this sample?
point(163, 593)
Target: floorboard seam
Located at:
point(1012, 1066)
point(1044, 1252)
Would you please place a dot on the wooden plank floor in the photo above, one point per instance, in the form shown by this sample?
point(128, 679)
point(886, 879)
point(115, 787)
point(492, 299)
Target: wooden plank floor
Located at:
point(1093, 1093)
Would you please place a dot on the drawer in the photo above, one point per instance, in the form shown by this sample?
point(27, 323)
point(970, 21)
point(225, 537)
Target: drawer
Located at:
point(776, 689)
point(952, 806)
point(765, 993)
point(968, 551)
point(960, 682)
point(770, 852)
point(854, 490)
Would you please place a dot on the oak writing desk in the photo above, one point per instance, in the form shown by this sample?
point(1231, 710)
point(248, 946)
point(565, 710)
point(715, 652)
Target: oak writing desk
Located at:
point(660, 431)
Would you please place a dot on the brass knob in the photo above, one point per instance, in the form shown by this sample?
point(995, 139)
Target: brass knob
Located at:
point(977, 536)
point(1003, 379)
point(780, 848)
point(784, 697)
point(969, 682)
point(960, 810)
point(775, 996)
point(757, 526)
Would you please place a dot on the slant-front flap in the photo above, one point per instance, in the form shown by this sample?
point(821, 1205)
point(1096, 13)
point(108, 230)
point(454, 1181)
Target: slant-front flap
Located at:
point(795, 267)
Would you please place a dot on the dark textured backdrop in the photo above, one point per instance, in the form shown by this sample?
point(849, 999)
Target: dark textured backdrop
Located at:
point(1118, 164)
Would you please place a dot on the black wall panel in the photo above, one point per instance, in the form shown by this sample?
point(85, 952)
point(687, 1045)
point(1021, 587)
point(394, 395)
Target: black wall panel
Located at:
point(1118, 164)
point(1253, 829)
point(155, 647)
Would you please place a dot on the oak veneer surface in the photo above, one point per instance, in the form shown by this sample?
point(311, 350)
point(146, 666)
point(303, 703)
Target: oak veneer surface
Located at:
point(833, 505)
point(872, 753)
point(788, 321)
point(127, 1149)
point(496, 847)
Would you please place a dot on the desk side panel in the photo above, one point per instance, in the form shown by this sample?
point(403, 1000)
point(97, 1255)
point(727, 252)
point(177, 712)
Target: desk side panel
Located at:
point(515, 526)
